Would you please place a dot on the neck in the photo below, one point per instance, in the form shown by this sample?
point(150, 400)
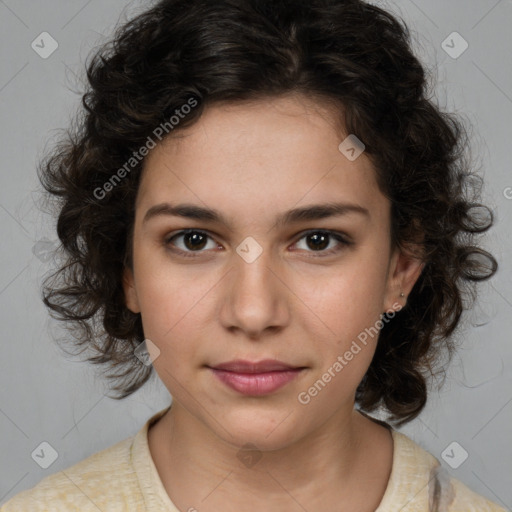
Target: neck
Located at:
point(333, 464)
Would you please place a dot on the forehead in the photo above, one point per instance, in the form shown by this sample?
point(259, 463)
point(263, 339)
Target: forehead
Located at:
point(259, 157)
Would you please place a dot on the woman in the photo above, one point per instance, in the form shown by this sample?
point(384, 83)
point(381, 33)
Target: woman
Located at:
point(261, 197)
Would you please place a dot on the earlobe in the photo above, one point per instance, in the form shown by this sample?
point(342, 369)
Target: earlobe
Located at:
point(130, 294)
point(404, 271)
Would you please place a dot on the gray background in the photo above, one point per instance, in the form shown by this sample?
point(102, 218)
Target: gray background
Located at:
point(46, 397)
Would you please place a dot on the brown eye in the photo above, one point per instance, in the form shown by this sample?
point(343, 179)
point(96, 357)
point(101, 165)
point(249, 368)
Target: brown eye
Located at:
point(192, 241)
point(318, 241)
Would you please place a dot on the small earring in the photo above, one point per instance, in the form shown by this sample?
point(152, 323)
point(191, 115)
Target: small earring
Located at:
point(402, 294)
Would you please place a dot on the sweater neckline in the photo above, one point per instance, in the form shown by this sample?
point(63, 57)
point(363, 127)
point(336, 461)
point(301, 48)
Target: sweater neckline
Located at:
point(407, 478)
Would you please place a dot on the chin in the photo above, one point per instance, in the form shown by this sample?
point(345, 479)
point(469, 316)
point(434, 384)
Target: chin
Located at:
point(267, 430)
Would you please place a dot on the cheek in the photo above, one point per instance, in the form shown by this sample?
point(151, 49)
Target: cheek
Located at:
point(344, 340)
point(167, 305)
point(167, 311)
point(345, 299)
point(343, 314)
point(174, 303)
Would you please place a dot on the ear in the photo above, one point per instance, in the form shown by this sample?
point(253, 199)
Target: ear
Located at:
point(404, 270)
point(130, 293)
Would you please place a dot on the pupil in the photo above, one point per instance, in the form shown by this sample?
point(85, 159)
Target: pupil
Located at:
point(197, 240)
point(322, 238)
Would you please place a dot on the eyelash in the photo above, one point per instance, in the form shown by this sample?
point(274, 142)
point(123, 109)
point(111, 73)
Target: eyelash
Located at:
point(343, 242)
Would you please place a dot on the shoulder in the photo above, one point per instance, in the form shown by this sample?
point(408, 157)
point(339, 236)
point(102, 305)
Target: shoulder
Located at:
point(421, 484)
point(468, 501)
point(99, 482)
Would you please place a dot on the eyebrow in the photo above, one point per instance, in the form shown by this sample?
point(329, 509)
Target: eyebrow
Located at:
point(307, 213)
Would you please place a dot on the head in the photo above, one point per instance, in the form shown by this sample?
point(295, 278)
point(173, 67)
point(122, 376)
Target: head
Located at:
point(225, 118)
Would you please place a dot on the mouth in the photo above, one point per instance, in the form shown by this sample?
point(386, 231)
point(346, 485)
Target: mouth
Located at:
point(256, 378)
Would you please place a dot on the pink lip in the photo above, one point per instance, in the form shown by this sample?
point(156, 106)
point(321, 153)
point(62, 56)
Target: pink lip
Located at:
point(255, 378)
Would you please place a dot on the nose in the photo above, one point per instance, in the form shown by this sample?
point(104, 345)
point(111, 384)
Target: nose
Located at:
point(255, 298)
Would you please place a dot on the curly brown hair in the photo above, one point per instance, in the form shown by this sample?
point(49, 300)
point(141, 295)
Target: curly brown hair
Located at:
point(353, 54)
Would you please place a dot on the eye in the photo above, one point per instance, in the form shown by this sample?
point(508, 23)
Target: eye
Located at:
point(318, 241)
point(193, 241)
point(196, 241)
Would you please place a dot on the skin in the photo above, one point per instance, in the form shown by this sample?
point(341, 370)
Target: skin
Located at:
point(252, 161)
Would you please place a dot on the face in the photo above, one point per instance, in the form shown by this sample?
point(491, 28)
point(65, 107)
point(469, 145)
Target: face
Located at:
point(287, 257)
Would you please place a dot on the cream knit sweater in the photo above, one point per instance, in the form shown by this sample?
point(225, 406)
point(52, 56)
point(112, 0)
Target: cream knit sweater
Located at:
point(124, 478)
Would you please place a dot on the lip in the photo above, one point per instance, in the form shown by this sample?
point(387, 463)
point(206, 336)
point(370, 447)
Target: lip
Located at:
point(243, 366)
point(256, 378)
